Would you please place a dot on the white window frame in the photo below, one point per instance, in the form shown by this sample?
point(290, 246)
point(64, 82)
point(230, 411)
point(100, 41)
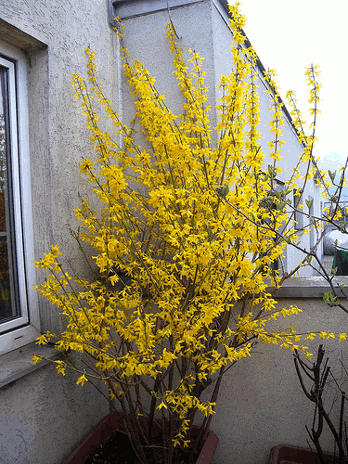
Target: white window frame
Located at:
point(25, 328)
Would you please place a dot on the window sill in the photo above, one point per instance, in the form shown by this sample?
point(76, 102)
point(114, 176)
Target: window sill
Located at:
point(18, 363)
point(310, 287)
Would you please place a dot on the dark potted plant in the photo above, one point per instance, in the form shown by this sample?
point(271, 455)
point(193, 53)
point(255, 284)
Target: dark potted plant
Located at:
point(329, 411)
point(112, 424)
point(184, 242)
point(288, 454)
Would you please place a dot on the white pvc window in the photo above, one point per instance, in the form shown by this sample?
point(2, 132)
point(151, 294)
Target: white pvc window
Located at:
point(18, 302)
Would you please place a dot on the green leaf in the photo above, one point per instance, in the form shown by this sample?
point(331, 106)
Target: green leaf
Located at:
point(332, 176)
point(330, 300)
point(265, 177)
point(282, 205)
point(225, 190)
point(309, 203)
point(222, 190)
point(270, 170)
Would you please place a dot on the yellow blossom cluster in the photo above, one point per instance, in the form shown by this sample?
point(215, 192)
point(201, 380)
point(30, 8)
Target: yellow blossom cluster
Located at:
point(184, 240)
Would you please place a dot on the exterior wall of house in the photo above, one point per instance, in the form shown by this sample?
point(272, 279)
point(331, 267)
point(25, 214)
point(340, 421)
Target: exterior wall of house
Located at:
point(262, 403)
point(203, 27)
point(43, 416)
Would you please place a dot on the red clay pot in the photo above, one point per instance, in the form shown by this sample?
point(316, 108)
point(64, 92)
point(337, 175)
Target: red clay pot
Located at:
point(286, 454)
point(111, 424)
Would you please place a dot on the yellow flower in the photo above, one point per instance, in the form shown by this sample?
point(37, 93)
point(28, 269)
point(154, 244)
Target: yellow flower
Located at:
point(188, 226)
point(86, 165)
point(81, 380)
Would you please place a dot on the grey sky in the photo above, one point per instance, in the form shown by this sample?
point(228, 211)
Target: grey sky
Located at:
point(289, 36)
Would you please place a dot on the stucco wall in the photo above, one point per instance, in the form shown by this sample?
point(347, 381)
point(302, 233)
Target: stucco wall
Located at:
point(262, 403)
point(203, 27)
point(58, 137)
point(43, 416)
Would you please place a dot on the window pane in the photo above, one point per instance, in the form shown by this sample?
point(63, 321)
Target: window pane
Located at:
point(7, 250)
point(5, 288)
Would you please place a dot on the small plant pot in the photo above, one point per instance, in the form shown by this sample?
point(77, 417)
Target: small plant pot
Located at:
point(287, 454)
point(112, 423)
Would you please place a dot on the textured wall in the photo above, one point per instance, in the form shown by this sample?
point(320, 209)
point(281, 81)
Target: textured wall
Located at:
point(262, 403)
point(43, 416)
point(58, 138)
point(203, 27)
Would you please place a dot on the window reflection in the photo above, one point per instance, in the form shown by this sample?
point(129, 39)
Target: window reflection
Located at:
point(7, 277)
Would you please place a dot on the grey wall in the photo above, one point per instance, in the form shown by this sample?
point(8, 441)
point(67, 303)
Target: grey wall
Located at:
point(262, 403)
point(59, 33)
point(203, 27)
point(43, 416)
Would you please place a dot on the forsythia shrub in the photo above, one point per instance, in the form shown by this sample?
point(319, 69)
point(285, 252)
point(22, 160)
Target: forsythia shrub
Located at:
point(184, 244)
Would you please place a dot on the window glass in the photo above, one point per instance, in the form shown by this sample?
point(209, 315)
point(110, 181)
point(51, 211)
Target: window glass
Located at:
point(8, 303)
point(19, 318)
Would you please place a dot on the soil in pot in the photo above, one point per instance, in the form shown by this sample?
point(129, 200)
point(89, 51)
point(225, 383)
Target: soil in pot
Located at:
point(118, 450)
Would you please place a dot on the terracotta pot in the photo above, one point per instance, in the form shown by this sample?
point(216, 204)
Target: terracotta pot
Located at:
point(111, 424)
point(286, 454)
